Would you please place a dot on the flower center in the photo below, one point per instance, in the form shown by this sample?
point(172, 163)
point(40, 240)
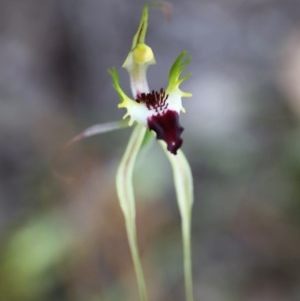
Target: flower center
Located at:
point(167, 128)
point(156, 100)
point(163, 121)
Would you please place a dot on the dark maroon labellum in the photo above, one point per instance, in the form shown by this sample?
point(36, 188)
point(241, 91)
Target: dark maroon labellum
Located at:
point(167, 128)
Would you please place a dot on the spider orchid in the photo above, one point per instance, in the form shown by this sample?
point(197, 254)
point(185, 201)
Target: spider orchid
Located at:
point(155, 111)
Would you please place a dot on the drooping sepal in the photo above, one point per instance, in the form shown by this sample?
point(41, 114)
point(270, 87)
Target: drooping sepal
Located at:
point(183, 182)
point(125, 191)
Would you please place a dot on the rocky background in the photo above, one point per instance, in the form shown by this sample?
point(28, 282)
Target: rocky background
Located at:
point(66, 241)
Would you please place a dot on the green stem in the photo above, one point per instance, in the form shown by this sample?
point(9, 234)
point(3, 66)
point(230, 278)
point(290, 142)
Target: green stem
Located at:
point(125, 192)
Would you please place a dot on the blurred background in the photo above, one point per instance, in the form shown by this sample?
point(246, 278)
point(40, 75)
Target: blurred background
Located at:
point(66, 241)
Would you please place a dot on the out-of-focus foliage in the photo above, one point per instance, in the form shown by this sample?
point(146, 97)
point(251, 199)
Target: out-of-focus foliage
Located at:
point(31, 254)
point(66, 241)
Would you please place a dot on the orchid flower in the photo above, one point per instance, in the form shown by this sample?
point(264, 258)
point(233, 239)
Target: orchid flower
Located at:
point(155, 111)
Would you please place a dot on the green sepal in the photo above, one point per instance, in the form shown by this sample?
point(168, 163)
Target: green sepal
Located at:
point(140, 35)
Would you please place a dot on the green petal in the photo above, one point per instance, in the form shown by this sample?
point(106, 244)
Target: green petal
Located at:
point(116, 84)
point(127, 201)
point(126, 102)
point(176, 70)
point(183, 181)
